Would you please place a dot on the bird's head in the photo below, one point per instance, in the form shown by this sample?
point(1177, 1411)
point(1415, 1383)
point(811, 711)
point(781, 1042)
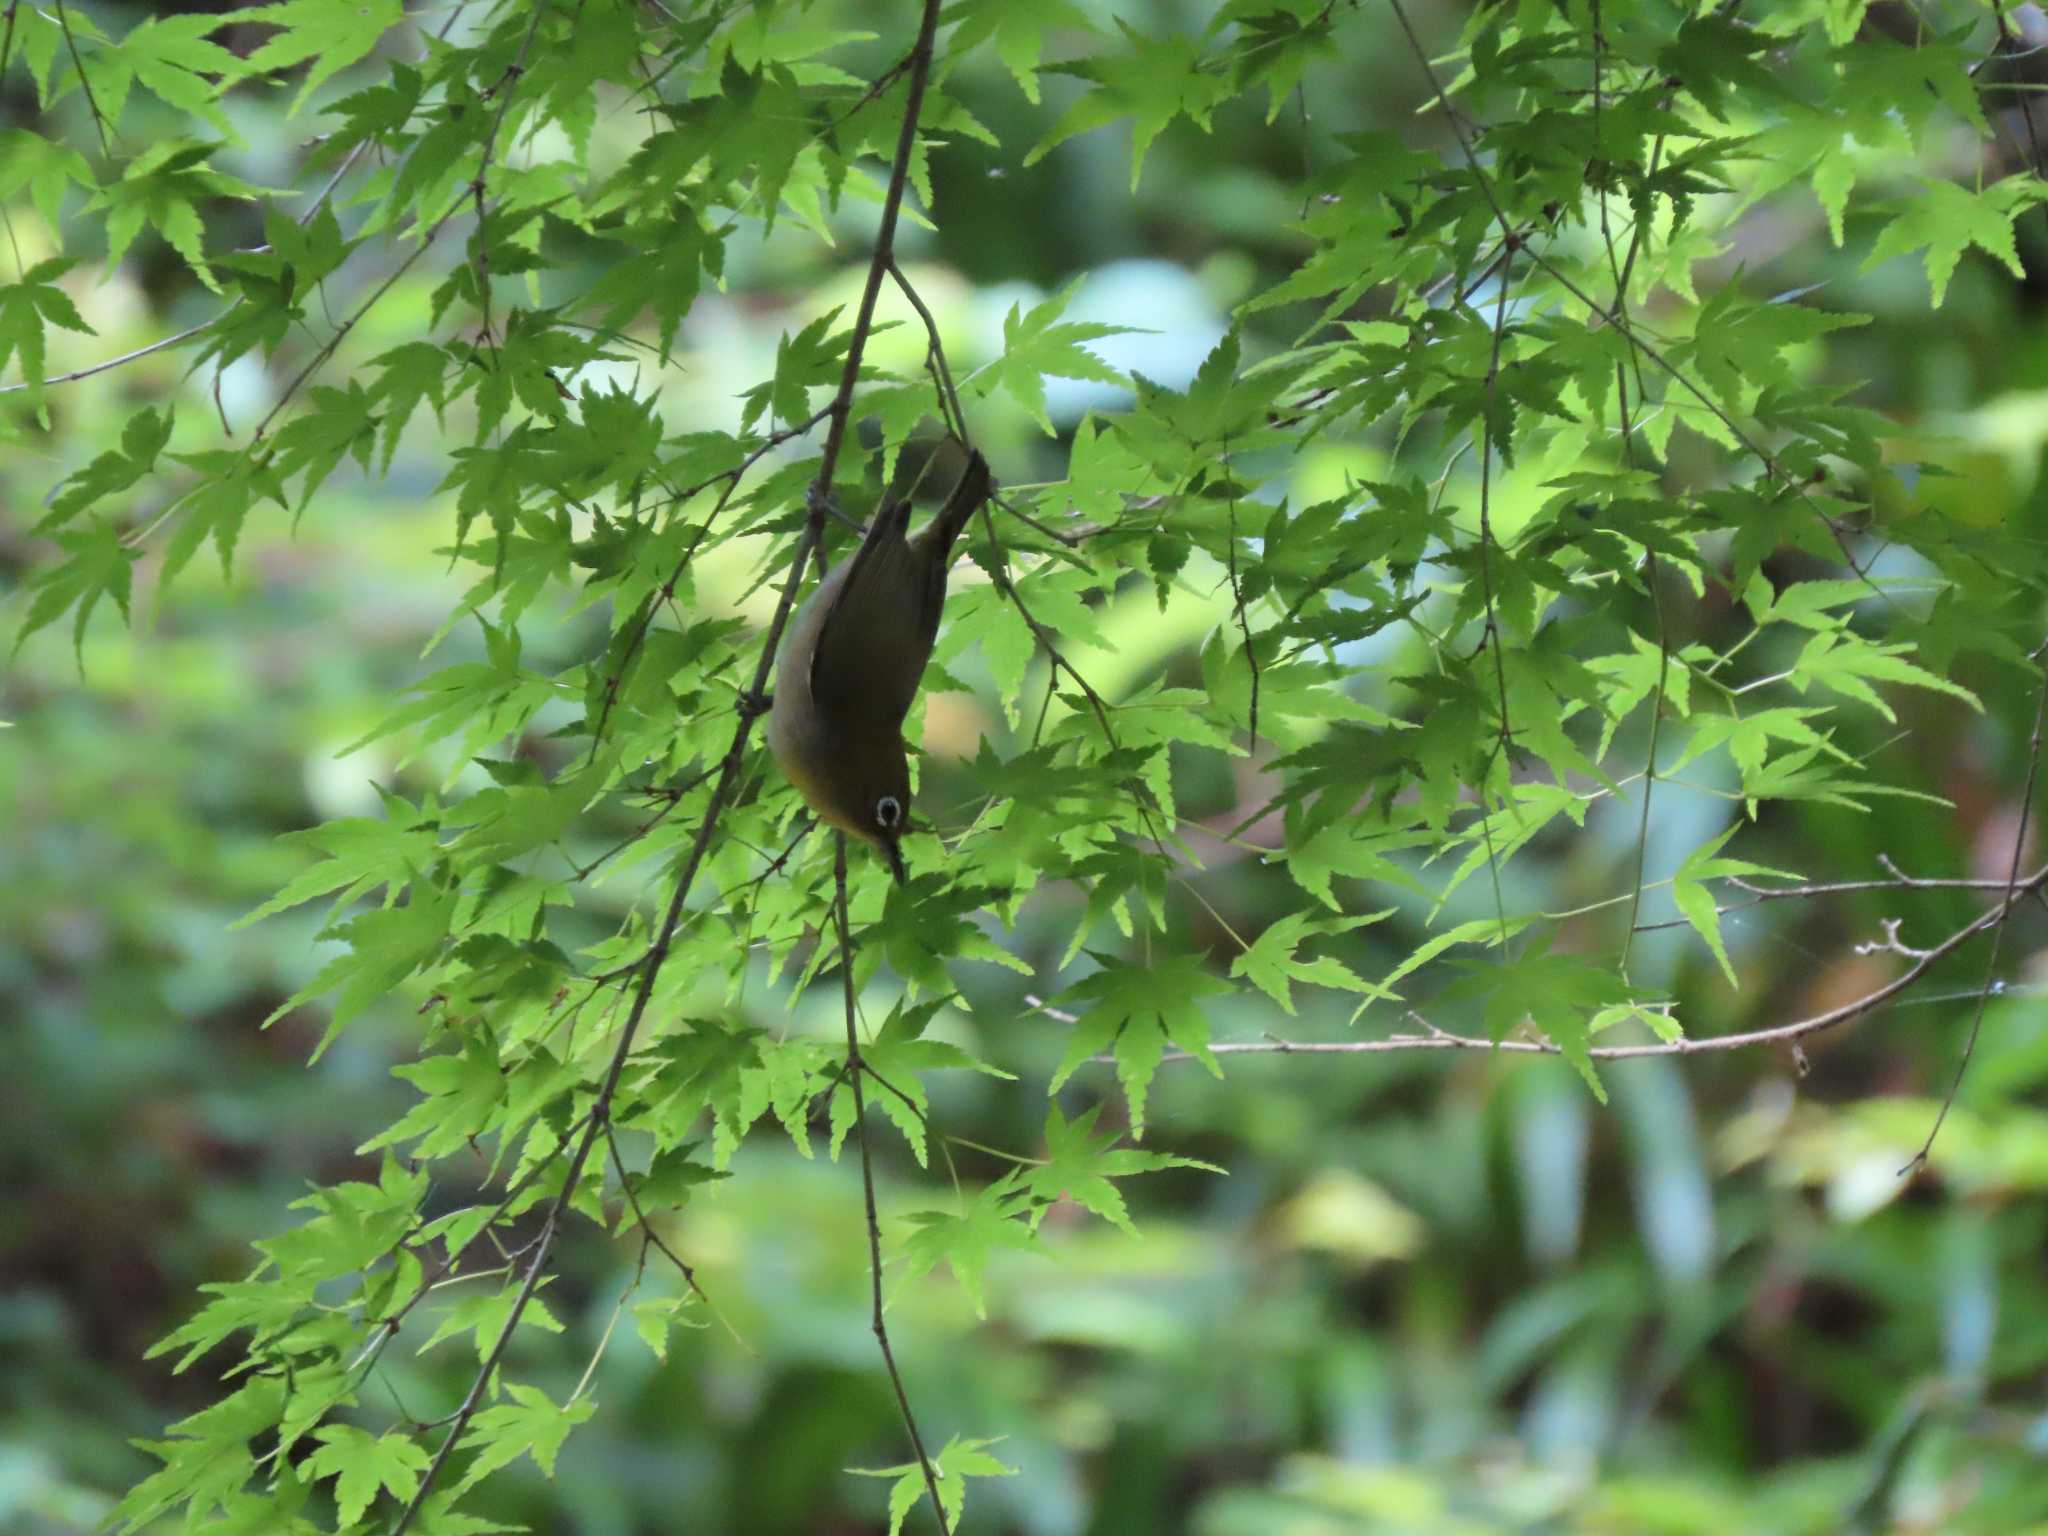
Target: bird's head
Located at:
point(867, 793)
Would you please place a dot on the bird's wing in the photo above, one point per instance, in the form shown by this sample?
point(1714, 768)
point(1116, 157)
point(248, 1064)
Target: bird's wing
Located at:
point(934, 541)
point(890, 520)
point(868, 647)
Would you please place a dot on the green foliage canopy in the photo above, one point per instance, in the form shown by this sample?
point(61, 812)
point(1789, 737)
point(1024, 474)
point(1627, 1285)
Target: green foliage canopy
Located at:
point(1488, 515)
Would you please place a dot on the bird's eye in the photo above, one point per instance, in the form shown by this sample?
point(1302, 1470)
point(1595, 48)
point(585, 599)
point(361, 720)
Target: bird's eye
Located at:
point(888, 811)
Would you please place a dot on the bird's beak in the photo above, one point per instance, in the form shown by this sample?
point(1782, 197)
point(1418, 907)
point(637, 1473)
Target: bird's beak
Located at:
point(895, 857)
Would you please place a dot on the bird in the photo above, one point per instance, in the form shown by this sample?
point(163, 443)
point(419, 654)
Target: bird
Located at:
point(851, 663)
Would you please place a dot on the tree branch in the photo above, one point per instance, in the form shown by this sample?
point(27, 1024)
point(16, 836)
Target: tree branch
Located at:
point(855, 1069)
point(1435, 1039)
point(840, 411)
point(2012, 875)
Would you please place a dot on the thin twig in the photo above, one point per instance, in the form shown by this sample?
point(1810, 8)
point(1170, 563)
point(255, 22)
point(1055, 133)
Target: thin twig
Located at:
point(1760, 894)
point(1069, 540)
point(935, 358)
point(7, 43)
point(99, 118)
point(128, 357)
point(1244, 628)
point(855, 1069)
point(1625, 411)
point(732, 478)
point(507, 87)
point(2010, 45)
point(1504, 741)
point(1777, 1034)
point(1650, 575)
point(2019, 843)
point(919, 68)
point(683, 1268)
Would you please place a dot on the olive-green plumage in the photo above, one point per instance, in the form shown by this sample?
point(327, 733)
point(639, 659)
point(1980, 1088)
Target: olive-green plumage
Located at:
point(850, 667)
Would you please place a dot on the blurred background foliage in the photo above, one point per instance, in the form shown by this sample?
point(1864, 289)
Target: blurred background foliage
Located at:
point(1443, 1295)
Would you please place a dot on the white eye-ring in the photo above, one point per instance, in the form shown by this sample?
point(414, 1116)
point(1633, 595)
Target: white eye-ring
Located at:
point(888, 811)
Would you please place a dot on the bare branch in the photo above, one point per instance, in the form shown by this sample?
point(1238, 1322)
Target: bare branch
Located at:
point(2012, 893)
point(1436, 1039)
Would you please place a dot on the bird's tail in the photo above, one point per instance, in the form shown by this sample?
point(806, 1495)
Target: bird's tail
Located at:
point(969, 492)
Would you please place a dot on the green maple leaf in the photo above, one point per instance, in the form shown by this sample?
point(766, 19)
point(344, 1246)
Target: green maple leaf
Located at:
point(45, 167)
point(661, 273)
point(1158, 80)
point(995, 1219)
point(1272, 965)
point(96, 564)
point(25, 307)
point(361, 856)
point(172, 58)
point(1924, 84)
point(483, 1316)
point(385, 947)
point(1748, 737)
point(670, 1178)
point(1081, 1166)
point(1017, 27)
point(363, 1465)
point(900, 1056)
point(1696, 903)
point(460, 1091)
point(1714, 55)
point(142, 440)
point(355, 1225)
point(261, 1307)
point(958, 1461)
point(1037, 344)
point(1136, 1012)
point(1275, 41)
point(1945, 220)
point(1561, 995)
point(230, 485)
point(1849, 664)
point(531, 1424)
point(1353, 850)
point(208, 1457)
point(808, 360)
point(330, 37)
point(162, 189)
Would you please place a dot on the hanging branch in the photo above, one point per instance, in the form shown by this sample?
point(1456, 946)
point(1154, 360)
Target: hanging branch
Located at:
point(1503, 742)
point(856, 1068)
point(1620, 270)
point(506, 87)
point(99, 118)
point(650, 966)
point(2012, 891)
